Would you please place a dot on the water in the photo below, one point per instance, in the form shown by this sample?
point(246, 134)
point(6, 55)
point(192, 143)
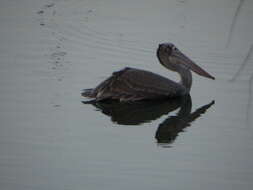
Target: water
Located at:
point(50, 139)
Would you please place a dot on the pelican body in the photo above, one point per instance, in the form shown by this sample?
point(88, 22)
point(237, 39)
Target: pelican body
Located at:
point(130, 84)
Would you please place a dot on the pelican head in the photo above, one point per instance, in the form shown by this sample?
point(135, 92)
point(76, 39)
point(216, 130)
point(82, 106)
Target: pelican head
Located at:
point(172, 58)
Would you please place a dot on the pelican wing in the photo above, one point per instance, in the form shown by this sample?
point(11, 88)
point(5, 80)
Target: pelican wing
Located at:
point(132, 84)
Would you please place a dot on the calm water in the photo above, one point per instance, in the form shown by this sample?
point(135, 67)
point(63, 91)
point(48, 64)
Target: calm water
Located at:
point(51, 139)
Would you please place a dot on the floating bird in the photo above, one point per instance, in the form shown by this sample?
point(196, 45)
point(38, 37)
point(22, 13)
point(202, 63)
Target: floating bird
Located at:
point(130, 84)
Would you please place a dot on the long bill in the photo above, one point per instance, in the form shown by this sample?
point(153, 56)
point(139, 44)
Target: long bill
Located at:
point(188, 63)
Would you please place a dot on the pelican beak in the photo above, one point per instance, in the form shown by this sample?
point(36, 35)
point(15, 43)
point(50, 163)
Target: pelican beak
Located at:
point(188, 63)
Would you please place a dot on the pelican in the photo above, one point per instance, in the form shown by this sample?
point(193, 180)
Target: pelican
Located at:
point(130, 84)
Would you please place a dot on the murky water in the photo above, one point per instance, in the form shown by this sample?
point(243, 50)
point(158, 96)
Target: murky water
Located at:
point(51, 139)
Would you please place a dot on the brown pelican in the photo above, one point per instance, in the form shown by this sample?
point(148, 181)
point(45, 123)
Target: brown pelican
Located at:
point(132, 84)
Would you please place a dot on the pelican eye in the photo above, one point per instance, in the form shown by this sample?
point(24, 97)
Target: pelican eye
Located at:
point(174, 48)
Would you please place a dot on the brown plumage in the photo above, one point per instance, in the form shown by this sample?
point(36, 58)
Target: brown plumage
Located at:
point(132, 84)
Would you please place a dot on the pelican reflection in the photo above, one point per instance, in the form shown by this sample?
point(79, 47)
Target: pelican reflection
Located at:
point(169, 129)
point(147, 111)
